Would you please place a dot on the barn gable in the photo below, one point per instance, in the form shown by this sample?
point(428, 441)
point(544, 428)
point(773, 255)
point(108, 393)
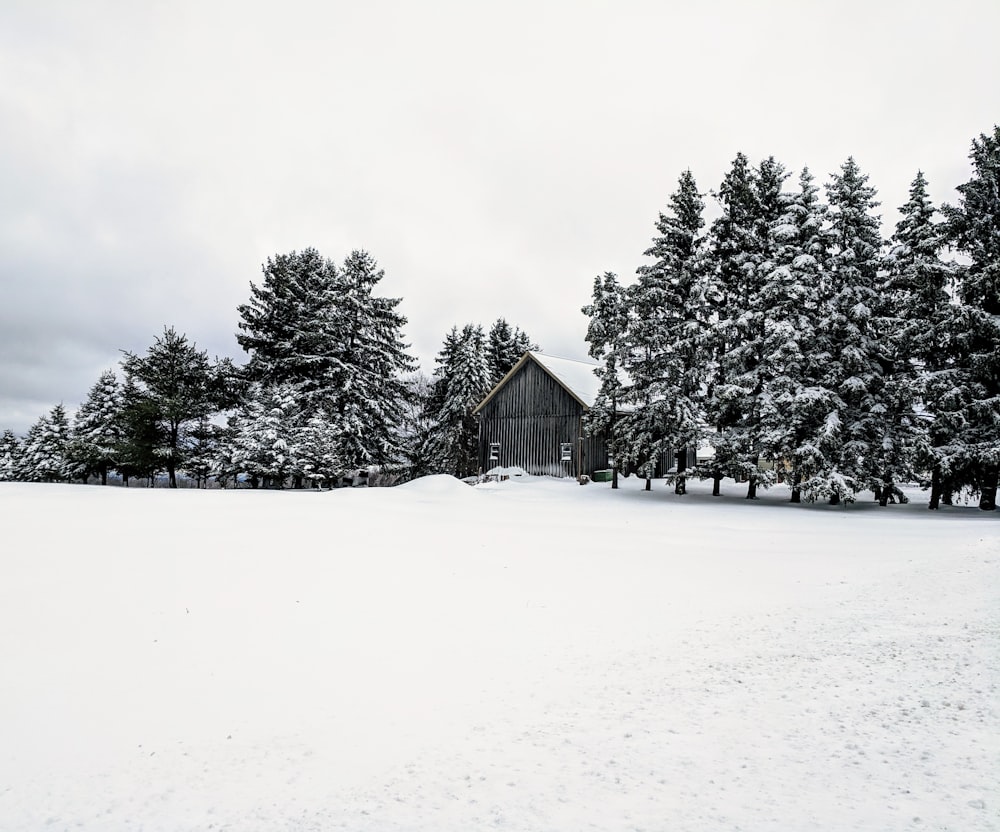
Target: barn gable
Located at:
point(534, 419)
point(535, 412)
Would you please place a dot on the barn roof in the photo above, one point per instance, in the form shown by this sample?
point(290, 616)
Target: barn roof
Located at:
point(577, 377)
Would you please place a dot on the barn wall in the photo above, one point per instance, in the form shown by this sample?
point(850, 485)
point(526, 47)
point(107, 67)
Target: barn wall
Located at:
point(530, 416)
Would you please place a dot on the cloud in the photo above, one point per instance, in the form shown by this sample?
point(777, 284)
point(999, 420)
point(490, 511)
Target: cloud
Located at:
point(493, 160)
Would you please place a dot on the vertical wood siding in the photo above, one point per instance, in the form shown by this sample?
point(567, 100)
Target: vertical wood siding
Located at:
point(530, 417)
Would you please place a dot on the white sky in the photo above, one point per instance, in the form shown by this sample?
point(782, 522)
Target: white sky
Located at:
point(493, 158)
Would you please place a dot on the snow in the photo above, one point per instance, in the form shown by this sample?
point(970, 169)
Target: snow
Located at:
point(576, 376)
point(528, 654)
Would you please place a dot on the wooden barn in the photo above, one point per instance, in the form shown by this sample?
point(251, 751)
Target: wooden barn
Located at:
point(533, 419)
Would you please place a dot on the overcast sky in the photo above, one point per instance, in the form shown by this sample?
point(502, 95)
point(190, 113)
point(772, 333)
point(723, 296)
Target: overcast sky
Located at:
point(494, 158)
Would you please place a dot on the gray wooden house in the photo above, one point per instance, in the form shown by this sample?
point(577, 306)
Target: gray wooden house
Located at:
point(534, 419)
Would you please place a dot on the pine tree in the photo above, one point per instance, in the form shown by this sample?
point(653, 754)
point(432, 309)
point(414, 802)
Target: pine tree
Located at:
point(915, 331)
point(666, 361)
point(265, 434)
point(26, 463)
point(321, 329)
point(754, 329)
point(96, 435)
point(316, 450)
point(142, 435)
point(415, 429)
point(45, 450)
point(974, 230)
point(202, 450)
point(174, 380)
point(796, 293)
point(504, 348)
point(461, 380)
point(847, 343)
point(735, 258)
point(369, 401)
point(10, 450)
point(289, 326)
point(606, 333)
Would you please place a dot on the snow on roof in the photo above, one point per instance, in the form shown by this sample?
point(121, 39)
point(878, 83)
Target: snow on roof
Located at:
point(576, 376)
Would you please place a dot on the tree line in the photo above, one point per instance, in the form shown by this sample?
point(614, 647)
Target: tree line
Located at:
point(328, 392)
point(788, 332)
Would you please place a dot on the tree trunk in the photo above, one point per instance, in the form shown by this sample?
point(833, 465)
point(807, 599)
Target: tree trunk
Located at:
point(796, 491)
point(752, 489)
point(988, 493)
point(886, 490)
point(834, 499)
point(171, 474)
point(614, 465)
point(935, 489)
point(680, 485)
point(717, 485)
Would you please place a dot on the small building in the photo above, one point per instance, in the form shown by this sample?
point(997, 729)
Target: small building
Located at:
point(533, 419)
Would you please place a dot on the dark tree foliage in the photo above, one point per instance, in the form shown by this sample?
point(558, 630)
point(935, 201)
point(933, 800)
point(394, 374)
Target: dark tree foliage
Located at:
point(460, 382)
point(731, 248)
point(96, 434)
point(170, 387)
point(10, 451)
point(607, 332)
point(666, 349)
point(504, 347)
point(917, 327)
point(796, 295)
point(973, 228)
point(321, 329)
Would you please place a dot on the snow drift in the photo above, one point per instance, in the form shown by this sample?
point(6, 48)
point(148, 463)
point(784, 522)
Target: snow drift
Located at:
point(533, 656)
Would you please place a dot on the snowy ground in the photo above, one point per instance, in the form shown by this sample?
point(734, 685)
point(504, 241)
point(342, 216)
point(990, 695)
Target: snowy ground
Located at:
point(521, 655)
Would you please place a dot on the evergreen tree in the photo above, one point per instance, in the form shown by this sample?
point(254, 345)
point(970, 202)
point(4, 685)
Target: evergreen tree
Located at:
point(225, 469)
point(796, 293)
point(321, 329)
point(974, 230)
point(665, 335)
point(847, 344)
point(461, 380)
point(44, 453)
point(416, 428)
point(755, 329)
point(735, 258)
point(504, 348)
point(25, 466)
point(202, 450)
point(974, 226)
point(10, 449)
point(265, 433)
point(915, 331)
point(96, 436)
point(316, 449)
point(142, 435)
point(174, 381)
point(606, 333)
point(289, 326)
point(369, 402)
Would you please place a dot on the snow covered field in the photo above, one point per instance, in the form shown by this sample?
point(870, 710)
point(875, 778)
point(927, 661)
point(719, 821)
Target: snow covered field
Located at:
point(522, 655)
